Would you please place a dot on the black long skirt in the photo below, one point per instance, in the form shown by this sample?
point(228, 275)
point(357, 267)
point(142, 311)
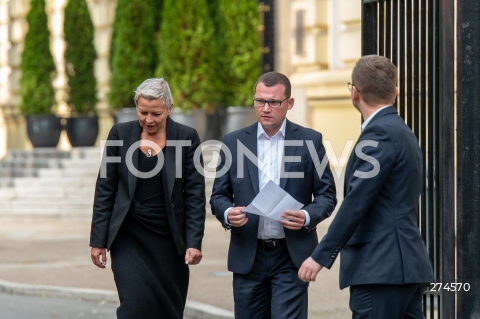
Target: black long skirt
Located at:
point(151, 278)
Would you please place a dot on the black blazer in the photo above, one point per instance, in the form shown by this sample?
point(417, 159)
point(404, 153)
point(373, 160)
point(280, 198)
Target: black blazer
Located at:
point(184, 197)
point(317, 193)
point(376, 227)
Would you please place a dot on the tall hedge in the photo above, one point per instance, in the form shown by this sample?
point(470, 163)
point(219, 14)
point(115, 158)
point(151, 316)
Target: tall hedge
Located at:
point(133, 54)
point(38, 68)
point(186, 53)
point(239, 61)
point(80, 57)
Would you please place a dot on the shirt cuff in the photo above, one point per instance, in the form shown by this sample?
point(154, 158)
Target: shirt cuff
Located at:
point(225, 217)
point(307, 218)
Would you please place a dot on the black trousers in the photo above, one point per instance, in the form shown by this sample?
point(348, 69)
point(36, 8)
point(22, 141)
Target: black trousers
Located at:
point(271, 289)
point(386, 301)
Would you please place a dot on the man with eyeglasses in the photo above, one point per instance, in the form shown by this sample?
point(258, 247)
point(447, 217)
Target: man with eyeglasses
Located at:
point(265, 254)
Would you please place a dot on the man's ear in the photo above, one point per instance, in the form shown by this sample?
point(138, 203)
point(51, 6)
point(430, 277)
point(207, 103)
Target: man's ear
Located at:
point(395, 93)
point(291, 102)
point(355, 93)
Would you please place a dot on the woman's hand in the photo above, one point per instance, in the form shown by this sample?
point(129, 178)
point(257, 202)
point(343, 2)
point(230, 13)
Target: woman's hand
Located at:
point(193, 256)
point(95, 253)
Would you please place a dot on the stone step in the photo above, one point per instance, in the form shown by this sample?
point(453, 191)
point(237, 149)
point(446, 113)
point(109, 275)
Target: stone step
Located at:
point(53, 181)
point(14, 172)
point(36, 153)
point(41, 214)
point(6, 182)
point(47, 206)
point(7, 193)
point(87, 164)
point(50, 163)
point(67, 172)
point(54, 192)
point(80, 152)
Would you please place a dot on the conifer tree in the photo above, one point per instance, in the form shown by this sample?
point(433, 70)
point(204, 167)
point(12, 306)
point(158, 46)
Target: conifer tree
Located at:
point(133, 56)
point(80, 57)
point(239, 61)
point(38, 68)
point(186, 53)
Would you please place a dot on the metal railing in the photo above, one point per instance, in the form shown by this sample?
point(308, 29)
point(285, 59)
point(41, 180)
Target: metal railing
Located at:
point(418, 36)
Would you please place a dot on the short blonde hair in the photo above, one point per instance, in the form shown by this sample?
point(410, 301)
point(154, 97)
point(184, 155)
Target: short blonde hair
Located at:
point(154, 89)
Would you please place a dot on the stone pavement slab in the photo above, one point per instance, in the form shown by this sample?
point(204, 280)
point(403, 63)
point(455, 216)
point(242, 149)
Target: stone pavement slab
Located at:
point(57, 253)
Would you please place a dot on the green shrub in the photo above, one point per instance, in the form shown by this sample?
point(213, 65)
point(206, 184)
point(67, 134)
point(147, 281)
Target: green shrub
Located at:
point(239, 61)
point(133, 56)
point(186, 54)
point(80, 57)
point(38, 69)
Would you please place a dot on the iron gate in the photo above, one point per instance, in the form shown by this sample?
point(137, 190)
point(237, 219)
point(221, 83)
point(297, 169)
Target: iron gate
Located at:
point(418, 36)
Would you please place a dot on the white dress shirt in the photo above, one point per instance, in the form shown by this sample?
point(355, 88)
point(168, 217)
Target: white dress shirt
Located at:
point(365, 123)
point(270, 155)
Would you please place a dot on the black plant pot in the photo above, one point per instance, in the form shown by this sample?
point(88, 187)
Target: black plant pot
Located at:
point(126, 114)
point(82, 130)
point(239, 117)
point(43, 131)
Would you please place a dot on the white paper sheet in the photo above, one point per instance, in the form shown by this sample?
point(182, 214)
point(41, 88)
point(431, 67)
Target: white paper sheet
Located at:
point(272, 201)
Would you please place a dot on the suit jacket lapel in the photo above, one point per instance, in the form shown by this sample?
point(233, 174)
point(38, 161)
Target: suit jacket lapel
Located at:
point(250, 142)
point(132, 179)
point(169, 165)
point(168, 180)
point(291, 133)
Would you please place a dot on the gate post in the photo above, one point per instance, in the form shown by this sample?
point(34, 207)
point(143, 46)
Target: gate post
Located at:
point(468, 156)
point(369, 27)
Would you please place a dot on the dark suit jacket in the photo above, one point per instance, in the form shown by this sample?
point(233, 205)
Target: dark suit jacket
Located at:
point(376, 227)
point(231, 190)
point(184, 197)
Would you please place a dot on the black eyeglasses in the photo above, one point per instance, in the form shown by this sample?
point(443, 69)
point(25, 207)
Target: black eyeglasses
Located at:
point(271, 103)
point(350, 85)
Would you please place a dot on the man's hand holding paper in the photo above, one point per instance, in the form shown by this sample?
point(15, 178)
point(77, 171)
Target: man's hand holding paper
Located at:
point(294, 219)
point(273, 202)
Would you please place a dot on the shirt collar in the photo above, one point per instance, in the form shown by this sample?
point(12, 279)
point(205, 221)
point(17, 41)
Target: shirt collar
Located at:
point(261, 131)
point(364, 124)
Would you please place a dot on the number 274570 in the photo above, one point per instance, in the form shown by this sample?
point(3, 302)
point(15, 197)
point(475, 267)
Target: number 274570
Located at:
point(454, 286)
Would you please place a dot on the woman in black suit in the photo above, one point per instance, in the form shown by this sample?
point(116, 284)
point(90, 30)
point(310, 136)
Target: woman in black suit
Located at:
point(149, 207)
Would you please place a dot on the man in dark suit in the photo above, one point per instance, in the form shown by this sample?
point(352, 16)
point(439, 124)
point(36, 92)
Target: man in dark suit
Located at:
point(265, 254)
point(383, 260)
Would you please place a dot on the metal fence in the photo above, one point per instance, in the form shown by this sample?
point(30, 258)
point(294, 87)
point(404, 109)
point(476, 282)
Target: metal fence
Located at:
point(418, 36)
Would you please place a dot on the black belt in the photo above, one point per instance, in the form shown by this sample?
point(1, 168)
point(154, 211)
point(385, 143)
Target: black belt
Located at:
point(271, 243)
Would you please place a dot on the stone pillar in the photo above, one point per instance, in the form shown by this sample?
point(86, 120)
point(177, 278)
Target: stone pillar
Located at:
point(18, 27)
point(349, 36)
point(103, 15)
point(4, 71)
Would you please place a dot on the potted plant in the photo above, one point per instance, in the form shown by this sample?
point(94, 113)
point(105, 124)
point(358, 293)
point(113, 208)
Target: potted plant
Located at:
point(37, 95)
point(133, 55)
point(80, 55)
point(239, 60)
point(186, 55)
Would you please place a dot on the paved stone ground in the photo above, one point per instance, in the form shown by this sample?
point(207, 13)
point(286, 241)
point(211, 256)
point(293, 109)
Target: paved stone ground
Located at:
point(27, 307)
point(57, 253)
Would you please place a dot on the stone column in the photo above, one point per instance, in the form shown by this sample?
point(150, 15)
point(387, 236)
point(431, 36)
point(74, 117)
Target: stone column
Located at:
point(18, 27)
point(4, 71)
point(103, 15)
